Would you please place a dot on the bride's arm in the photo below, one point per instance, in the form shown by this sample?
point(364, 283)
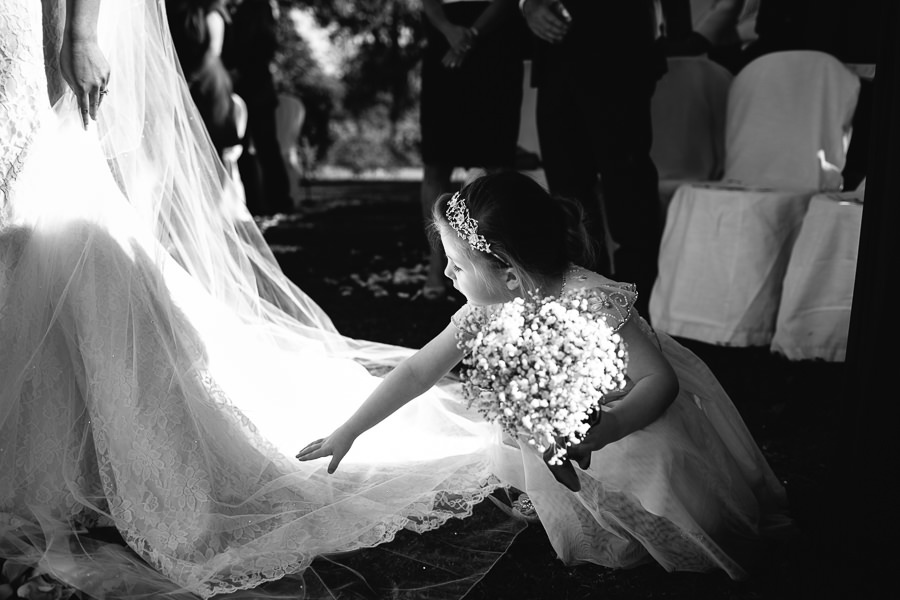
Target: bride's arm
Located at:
point(82, 63)
point(414, 376)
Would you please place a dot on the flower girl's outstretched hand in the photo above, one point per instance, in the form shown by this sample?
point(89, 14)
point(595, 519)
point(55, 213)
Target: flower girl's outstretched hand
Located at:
point(335, 445)
point(410, 379)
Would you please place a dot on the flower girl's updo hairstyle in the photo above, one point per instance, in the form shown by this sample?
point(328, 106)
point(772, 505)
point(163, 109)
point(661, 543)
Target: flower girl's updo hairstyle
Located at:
point(509, 220)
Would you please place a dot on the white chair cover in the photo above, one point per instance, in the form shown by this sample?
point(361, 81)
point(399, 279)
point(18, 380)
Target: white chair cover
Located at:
point(723, 256)
point(289, 116)
point(726, 246)
point(814, 314)
point(787, 111)
point(688, 114)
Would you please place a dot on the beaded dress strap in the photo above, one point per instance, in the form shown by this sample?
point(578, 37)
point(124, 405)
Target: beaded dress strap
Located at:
point(611, 300)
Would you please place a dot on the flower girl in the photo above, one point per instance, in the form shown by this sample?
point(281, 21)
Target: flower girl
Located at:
point(666, 471)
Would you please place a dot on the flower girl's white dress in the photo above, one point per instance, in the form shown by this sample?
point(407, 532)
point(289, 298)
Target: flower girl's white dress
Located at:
point(692, 490)
point(158, 372)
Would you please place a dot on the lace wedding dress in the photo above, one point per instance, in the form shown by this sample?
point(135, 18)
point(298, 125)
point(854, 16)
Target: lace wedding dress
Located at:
point(158, 370)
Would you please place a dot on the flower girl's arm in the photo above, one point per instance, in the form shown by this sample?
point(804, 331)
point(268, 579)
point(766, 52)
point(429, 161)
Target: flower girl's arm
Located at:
point(655, 387)
point(414, 376)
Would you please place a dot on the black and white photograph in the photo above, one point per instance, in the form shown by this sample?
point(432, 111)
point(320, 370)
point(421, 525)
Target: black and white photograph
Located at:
point(449, 299)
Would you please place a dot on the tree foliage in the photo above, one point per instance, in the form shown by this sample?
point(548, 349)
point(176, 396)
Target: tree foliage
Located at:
point(367, 116)
point(386, 39)
point(298, 73)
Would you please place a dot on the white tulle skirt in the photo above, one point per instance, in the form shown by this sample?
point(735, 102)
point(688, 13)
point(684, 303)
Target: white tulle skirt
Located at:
point(691, 491)
point(132, 397)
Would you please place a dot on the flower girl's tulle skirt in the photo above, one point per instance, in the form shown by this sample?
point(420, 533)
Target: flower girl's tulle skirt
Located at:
point(691, 491)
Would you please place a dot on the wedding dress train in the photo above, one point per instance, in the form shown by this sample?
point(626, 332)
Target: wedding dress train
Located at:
point(158, 370)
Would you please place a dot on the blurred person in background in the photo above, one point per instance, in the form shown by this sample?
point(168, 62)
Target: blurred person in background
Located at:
point(595, 67)
point(249, 50)
point(198, 33)
point(719, 29)
point(471, 96)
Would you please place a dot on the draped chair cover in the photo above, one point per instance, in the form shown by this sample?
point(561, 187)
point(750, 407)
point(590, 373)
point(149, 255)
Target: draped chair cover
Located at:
point(726, 244)
point(688, 114)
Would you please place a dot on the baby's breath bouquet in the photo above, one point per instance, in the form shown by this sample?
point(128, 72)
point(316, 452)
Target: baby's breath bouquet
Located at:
point(540, 368)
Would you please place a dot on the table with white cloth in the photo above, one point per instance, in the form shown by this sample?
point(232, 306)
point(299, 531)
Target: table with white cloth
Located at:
point(725, 253)
point(727, 244)
point(814, 314)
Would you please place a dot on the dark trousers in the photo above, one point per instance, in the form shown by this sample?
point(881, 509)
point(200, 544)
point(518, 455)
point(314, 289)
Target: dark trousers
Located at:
point(587, 128)
point(263, 173)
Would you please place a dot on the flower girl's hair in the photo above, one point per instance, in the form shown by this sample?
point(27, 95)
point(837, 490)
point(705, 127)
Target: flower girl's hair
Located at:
point(526, 228)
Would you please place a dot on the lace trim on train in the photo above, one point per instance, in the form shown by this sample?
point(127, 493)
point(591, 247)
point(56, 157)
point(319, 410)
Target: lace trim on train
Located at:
point(431, 512)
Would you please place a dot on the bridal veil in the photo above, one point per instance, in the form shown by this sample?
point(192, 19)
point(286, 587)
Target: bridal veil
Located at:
point(159, 370)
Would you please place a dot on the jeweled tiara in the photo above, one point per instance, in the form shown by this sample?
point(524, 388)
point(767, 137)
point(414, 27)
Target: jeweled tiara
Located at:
point(465, 226)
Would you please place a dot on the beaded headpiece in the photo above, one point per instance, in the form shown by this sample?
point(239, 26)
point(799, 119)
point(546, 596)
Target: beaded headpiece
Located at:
point(465, 226)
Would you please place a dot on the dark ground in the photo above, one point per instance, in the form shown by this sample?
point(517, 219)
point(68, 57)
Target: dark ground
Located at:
point(360, 254)
point(362, 260)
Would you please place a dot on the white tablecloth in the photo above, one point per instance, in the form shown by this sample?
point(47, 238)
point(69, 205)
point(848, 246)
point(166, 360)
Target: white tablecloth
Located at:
point(723, 257)
point(814, 314)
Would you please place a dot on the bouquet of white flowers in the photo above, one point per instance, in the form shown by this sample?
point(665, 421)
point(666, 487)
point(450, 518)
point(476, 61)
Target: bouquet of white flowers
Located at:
point(540, 368)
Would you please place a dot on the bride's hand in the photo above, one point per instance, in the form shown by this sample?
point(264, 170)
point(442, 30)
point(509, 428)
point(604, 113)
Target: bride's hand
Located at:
point(335, 445)
point(86, 71)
